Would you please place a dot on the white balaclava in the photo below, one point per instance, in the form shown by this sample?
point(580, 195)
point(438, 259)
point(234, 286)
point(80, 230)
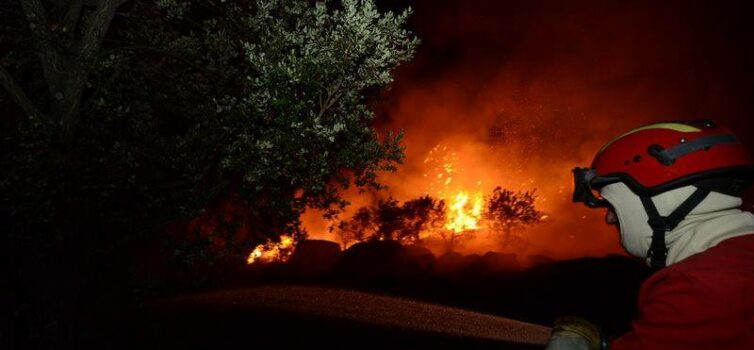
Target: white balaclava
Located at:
point(714, 220)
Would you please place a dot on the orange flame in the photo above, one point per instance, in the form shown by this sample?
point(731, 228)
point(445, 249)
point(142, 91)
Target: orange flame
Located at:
point(273, 251)
point(464, 213)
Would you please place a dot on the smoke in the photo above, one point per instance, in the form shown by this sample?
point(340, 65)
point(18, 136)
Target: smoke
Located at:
point(523, 91)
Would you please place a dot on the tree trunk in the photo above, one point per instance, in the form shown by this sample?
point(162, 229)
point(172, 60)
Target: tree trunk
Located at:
point(507, 233)
point(66, 60)
point(49, 285)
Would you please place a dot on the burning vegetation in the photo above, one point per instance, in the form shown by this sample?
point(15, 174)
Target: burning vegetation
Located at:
point(273, 251)
point(443, 221)
point(465, 212)
point(426, 221)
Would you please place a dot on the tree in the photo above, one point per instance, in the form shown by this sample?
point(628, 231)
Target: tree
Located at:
point(67, 44)
point(508, 210)
point(389, 217)
point(182, 103)
point(361, 227)
point(389, 220)
point(421, 215)
point(406, 222)
point(130, 116)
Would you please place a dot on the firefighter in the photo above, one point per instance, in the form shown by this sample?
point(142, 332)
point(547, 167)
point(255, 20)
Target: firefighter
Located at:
point(674, 191)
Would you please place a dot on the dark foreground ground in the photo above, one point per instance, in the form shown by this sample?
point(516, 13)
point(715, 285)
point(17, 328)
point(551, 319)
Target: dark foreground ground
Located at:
point(284, 317)
point(379, 295)
point(389, 297)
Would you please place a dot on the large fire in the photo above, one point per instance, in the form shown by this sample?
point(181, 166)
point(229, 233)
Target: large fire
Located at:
point(450, 206)
point(445, 179)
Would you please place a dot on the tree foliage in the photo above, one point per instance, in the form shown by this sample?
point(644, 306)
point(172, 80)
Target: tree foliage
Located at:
point(422, 215)
point(390, 220)
point(424, 218)
point(180, 103)
point(124, 117)
point(359, 228)
point(508, 210)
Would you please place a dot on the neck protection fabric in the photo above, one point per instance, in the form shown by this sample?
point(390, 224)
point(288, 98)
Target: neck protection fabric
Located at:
point(714, 220)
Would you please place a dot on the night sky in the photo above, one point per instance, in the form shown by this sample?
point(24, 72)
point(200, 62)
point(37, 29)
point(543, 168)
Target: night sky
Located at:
point(614, 60)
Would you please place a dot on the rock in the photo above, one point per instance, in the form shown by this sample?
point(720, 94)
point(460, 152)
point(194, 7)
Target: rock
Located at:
point(536, 260)
point(385, 260)
point(501, 261)
point(315, 257)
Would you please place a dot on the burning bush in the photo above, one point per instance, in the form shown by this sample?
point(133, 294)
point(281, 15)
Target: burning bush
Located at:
point(427, 218)
point(273, 251)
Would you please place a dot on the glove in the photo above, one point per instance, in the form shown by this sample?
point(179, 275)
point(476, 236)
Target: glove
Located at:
point(573, 333)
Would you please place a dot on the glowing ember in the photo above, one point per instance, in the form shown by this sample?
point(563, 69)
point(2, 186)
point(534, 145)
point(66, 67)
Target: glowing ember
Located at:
point(464, 213)
point(273, 251)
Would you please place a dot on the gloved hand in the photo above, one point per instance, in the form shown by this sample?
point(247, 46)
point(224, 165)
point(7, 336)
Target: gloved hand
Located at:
point(573, 333)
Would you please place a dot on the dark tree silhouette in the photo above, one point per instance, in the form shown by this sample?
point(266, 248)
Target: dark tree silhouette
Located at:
point(360, 228)
point(389, 218)
point(390, 221)
point(508, 210)
point(419, 215)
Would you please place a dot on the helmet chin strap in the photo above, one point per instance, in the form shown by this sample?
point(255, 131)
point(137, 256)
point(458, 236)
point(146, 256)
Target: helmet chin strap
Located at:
point(658, 251)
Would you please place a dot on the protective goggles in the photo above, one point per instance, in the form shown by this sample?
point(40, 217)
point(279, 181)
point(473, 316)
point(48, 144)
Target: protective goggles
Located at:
point(587, 185)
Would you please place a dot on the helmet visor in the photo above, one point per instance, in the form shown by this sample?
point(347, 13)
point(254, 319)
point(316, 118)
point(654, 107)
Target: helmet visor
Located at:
point(587, 185)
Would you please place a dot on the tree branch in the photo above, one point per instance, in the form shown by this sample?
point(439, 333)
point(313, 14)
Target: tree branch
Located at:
point(17, 94)
point(52, 64)
point(72, 16)
point(332, 96)
point(167, 53)
point(79, 65)
point(94, 31)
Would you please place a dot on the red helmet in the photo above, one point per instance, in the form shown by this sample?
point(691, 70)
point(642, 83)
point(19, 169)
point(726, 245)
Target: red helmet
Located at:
point(659, 157)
